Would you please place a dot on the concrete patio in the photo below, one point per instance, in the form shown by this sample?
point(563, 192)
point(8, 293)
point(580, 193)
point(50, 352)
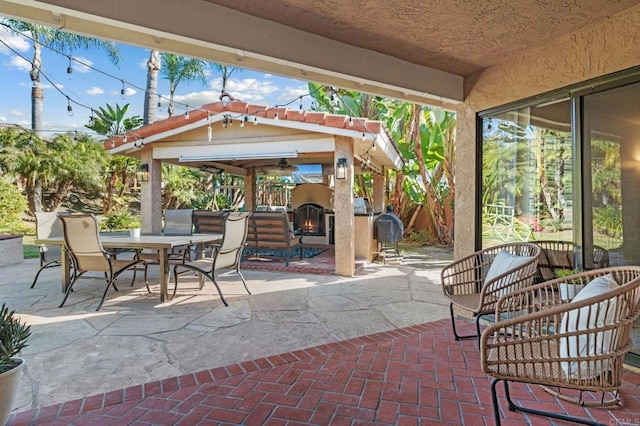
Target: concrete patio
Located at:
point(304, 348)
point(75, 352)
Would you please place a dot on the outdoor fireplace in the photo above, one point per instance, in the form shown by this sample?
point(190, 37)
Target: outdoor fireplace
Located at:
point(310, 219)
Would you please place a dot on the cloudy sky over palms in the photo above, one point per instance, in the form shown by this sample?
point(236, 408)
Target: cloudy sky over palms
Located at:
point(104, 83)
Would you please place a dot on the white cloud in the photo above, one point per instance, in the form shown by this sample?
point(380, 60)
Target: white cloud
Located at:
point(3, 118)
point(58, 85)
point(16, 62)
point(194, 99)
point(95, 91)
point(290, 93)
point(128, 91)
point(17, 113)
point(16, 42)
point(81, 64)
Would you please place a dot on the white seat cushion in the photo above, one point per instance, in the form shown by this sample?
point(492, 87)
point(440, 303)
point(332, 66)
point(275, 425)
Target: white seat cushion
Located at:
point(586, 318)
point(503, 263)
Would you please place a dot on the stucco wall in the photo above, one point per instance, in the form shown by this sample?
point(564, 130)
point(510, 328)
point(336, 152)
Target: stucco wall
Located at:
point(601, 49)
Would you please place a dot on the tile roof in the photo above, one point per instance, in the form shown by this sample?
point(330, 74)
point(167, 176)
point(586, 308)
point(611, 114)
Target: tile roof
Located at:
point(250, 110)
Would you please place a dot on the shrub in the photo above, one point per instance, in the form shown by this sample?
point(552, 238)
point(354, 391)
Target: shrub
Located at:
point(13, 206)
point(608, 221)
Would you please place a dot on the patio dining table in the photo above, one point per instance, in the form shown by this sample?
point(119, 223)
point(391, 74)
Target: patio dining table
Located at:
point(162, 243)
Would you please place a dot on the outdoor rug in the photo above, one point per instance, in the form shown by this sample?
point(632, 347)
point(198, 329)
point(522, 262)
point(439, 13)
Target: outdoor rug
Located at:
point(307, 252)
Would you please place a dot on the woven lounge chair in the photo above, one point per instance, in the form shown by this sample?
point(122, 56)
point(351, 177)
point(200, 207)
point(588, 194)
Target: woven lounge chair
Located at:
point(48, 226)
point(570, 345)
point(225, 256)
point(82, 242)
point(558, 255)
point(475, 283)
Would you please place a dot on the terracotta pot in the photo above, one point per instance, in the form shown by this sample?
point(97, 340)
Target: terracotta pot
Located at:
point(9, 389)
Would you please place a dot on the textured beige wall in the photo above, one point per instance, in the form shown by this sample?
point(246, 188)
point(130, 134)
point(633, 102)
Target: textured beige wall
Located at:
point(601, 49)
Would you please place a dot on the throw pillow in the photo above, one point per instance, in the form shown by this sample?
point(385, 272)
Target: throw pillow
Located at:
point(503, 263)
point(587, 318)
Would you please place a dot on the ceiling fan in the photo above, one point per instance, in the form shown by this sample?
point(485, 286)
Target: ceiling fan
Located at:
point(282, 167)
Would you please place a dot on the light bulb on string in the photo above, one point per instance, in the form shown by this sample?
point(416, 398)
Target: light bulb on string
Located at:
point(350, 121)
point(364, 136)
point(92, 119)
point(122, 91)
point(275, 116)
point(69, 68)
point(255, 121)
point(244, 118)
point(373, 146)
point(300, 111)
point(69, 107)
point(186, 113)
point(124, 138)
point(159, 102)
point(209, 132)
point(75, 135)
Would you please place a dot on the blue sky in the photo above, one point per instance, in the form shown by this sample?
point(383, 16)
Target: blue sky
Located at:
point(95, 89)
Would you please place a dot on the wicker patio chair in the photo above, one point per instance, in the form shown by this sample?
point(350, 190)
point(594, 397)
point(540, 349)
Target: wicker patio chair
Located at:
point(82, 242)
point(474, 284)
point(48, 226)
point(555, 255)
point(570, 345)
point(225, 256)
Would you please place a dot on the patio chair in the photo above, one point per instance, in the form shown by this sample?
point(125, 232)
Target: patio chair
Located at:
point(573, 347)
point(555, 255)
point(82, 242)
point(225, 256)
point(475, 283)
point(176, 222)
point(48, 226)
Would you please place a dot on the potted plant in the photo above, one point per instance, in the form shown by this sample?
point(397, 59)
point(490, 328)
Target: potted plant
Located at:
point(569, 289)
point(13, 338)
point(134, 227)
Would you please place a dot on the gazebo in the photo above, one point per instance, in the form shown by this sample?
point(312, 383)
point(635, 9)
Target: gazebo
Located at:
point(247, 140)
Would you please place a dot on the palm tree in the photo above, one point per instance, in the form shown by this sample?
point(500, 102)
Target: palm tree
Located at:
point(61, 41)
point(226, 72)
point(177, 69)
point(153, 68)
point(120, 170)
point(64, 42)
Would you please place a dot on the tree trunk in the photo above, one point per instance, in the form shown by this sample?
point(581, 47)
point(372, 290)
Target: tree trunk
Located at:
point(37, 92)
point(153, 68)
point(171, 108)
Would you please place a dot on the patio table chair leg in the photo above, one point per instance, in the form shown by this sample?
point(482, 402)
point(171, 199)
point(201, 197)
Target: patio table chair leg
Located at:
point(514, 407)
point(455, 332)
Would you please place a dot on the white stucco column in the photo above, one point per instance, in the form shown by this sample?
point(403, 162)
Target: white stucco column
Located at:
point(378, 193)
point(151, 193)
point(250, 190)
point(465, 167)
point(343, 205)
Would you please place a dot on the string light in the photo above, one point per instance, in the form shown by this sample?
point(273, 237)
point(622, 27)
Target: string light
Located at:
point(364, 136)
point(244, 118)
point(350, 121)
point(373, 146)
point(209, 132)
point(125, 83)
point(75, 135)
point(275, 116)
point(186, 114)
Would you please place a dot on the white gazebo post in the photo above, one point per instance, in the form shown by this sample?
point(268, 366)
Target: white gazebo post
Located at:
point(343, 205)
point(151, 193)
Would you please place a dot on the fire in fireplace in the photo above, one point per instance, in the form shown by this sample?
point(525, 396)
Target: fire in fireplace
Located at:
point(310, 219)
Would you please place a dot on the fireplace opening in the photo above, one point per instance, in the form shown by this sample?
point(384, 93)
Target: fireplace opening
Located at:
point(310, 219)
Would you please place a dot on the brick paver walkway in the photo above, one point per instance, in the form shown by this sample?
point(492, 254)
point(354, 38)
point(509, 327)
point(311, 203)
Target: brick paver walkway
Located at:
point(410, 376)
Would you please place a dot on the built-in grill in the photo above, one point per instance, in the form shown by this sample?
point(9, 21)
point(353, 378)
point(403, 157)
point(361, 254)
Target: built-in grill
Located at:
point(388, 230)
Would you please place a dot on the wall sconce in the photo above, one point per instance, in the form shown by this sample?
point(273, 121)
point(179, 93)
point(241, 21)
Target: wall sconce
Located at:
point(143, 173)
point(341, 168)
